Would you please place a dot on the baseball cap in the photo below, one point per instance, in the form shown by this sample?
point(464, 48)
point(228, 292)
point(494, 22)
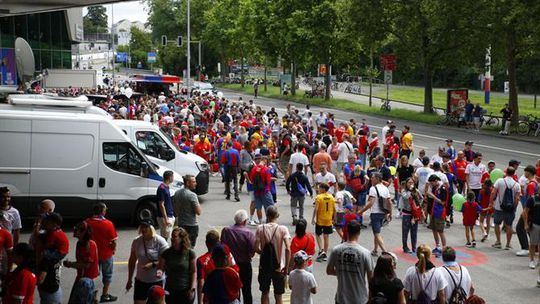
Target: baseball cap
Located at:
point(219, 251)
point(389, 122)
point(156, 293)
point(449, 140)
point(469, 143)
point(257, 155)
point(301, 256)
point(491, 162)
point(513, 162)
point(145, 222)
point(348, 207)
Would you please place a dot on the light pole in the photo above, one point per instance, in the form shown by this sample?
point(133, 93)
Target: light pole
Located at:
point(112, 44)
point(188, 70)
point(199, 72)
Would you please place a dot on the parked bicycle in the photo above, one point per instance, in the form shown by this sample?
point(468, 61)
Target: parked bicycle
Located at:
point(491, 121)
point(529, 125)
point(449, 119)
point(385, 106)
point(353, 89)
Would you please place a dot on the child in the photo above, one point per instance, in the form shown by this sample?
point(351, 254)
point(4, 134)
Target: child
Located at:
point(348, 217)
point(323, 217)
point(485, 215)
point(343, 198)
point(301, 282)
point(470, 210)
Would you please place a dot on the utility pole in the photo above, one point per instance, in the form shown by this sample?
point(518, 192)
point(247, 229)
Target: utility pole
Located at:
point(199, 72)
point(112, 44)
point(188, 71)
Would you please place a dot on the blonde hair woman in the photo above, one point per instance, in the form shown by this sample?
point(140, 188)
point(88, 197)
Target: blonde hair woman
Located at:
point(424, 279)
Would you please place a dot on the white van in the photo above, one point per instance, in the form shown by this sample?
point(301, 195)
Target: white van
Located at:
point(76, 159)
point(161, 151)
point(148, 137)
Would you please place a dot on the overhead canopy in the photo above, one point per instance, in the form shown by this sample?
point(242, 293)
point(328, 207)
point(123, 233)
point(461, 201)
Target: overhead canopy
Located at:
point(168, 79)
point(18, 7)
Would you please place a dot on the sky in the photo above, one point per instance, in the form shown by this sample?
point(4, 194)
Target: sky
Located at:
point(133, 11)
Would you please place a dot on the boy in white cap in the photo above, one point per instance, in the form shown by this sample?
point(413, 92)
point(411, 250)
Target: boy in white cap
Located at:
point(301, 282)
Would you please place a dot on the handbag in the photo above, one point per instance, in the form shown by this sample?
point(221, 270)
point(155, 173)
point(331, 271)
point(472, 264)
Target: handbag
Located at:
point(384, 203)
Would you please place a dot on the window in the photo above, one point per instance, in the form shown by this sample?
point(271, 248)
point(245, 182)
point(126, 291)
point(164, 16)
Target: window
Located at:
point(7, 32)
point(45, 30)
point(152, 144)
point(33, 31)
point(122, 157)
point(21, 27)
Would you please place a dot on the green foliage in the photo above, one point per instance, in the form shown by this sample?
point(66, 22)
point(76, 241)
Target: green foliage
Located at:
point(95, 20)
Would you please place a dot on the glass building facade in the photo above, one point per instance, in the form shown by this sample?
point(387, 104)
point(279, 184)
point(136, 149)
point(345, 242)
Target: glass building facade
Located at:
point(47, 34)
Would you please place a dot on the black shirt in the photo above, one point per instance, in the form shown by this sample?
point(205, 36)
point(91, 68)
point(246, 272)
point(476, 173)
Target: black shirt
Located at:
point(390, 288)
point(533, 203)
point(404, 172)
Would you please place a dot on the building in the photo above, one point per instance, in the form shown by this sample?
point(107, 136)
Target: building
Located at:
point(50, 35)
point(123, 30)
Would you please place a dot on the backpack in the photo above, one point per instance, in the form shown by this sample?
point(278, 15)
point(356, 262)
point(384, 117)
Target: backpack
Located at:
point(379, 298)
point(458, 295)
point(422, 297)
point(507, 203)
point(346, 198)
point(258, 183)
point(300, 187)
point(384, 203)
point(536, 201)
point(334, 152)
point(268, 260)
point(356, 183)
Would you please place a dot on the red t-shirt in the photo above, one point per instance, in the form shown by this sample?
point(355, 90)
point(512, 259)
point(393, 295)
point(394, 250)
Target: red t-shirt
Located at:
point(201, 148)
point(470, 213)
point(265, 176)
point(460, 169)
point(88, 255)
point(362, 144)
point(306, 243)
point(103, 233)
point(21, 286)
point(339, 134)
point(205, 264)
point(58, 240)
point(374, 144)
point(6, 240)
point(394, 149)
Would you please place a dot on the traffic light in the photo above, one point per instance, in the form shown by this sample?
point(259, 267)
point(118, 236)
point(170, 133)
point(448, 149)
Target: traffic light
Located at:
point(179, 41)
point(163, 40)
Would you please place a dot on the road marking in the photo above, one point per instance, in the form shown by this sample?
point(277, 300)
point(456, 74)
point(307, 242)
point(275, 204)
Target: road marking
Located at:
point(120, 263)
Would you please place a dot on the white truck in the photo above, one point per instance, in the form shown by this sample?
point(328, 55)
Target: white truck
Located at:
point(64, 78)
point(76, 159)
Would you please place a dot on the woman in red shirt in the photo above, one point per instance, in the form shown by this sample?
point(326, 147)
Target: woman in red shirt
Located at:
point(21, 283)
point(302, 240)
point(84, 291)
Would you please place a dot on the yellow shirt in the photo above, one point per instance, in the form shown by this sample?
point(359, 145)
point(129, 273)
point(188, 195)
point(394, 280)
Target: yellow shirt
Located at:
point(325, 204)
point(350, 131)
point(406, 141)
point(256, 136)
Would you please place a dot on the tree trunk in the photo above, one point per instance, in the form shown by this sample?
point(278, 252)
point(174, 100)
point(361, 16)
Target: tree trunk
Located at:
point(293, 78)
point(370, 76)
point(512, 76)
point(242, 70)
point(428, 87)
point(265, 75)
point(327, 82)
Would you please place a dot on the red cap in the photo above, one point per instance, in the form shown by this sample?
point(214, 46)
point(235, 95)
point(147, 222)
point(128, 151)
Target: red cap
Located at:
point(157, 292)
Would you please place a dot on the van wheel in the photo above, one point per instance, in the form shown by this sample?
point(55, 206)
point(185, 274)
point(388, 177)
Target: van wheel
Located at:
point(146, 211)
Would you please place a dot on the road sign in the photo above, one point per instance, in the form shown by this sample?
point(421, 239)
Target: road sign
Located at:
point(322, 69)
point(151, 57)
point(121, 57)
point(388, 76)
point(388, 62)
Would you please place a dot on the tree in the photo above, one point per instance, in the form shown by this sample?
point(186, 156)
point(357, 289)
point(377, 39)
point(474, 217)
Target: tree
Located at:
point(95, 20)
point(140, 44)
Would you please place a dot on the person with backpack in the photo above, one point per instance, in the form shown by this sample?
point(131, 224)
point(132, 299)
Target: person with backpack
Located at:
point(423, 282)
point(460, 286)
point(298, 186)
point(357, 186)
point(385, 286)
point(437, 196)
point(531, 218)
point(333, 150)
point(504, 200)
point(230, 160)
point(272, 243)
point(260, 179)
point(412, 213)
point(343, 198)
point(529, 187)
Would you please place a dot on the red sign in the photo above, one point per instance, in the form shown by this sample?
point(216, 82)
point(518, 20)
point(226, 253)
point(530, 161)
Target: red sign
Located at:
point(388, 62)
point(456, 100)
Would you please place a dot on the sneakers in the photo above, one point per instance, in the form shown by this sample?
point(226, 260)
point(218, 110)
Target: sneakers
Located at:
point(484, 238)
point(375, 253)
point(107, 298)
point(437, 252)
point(497, 245)
point(321, 256)
point(294, 221)
point(508, 247)
point(236, 198)
point(473, 245)
point(532, 264)
point(522, 253)
point(253, 222)
point(468, 245)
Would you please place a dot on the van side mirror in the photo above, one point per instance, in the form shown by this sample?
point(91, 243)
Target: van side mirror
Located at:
point(144, 169)
point(170, 154)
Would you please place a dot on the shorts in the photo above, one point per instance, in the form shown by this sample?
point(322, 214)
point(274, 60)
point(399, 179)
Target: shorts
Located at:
point(140, 291)
point(339, 219)
point(263, 201)
point(534, 234)
point(438, 224)
point(507, 217)
point(165, 230)
point(323, 230)
point(276, 278)
point(106, 269)
point(284, 163)
point(251, 195)
point(83, 291)
point(361, 199)
point(377, 220)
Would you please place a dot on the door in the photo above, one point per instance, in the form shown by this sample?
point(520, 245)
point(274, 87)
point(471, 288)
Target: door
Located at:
point(64, 165)
point(120, 182)
point(152, 144)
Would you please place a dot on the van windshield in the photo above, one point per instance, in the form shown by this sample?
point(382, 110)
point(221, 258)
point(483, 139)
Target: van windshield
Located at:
point(125, 157)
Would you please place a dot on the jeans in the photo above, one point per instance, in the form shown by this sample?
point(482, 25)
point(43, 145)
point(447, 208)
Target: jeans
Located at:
point(522, 234)
point(297, 202)
point(406, 226)
point(231, 175)
point(193, 232)
point(246, 276)
point(51, 298)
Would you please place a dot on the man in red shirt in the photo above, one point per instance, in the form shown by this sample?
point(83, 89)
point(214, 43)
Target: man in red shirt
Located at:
point(260, 178)
point(460, 166)
point(104, 234)
point(202, 147)
point(22, 282)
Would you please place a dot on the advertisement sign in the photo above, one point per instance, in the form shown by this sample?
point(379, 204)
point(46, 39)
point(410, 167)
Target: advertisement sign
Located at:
point(152, 58)
point(456, 100)
point(8, 68)
point(322, 69)
point(121, 57)
point(388, 62)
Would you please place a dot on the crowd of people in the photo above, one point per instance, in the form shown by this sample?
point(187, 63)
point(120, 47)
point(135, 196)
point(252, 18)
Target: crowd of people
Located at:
point(357, 178)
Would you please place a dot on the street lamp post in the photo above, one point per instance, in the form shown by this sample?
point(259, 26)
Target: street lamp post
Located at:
point(112, 44)
point(188, 70)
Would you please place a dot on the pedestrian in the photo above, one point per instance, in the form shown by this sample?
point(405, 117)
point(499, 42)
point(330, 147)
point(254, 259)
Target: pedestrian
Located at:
point(301, 282)
point(230, 160)
point(323, 219)
point(105, 236)
point(326, 177)
point(422, 174)
point(385, 286)
point(305, 241)
point(437, 196)
point(260, 178)
point(459, 285)
point(459, 168)
point(84, 290)
point(506, 117)
point(468, 152)
point(485, 215)
point(342, 198)
point(504, 200)
point(529, 187)
point(298, 157)
point(246, 160)
point(474, 173)
point(412, 214)
point(406, 142)
point(45, 208)
point(423, 281)
point(345, 149)
point(12, 221)
point(417, 162)
point(187, 208)
point(272, 269)
point(6, 263)
point(353, 266)
point(470, 209)
point(531, 217)
point(357, 184)
point(223, 283)
point(165, 216)
point(298, 187)
point(144, 257)
point(273, 171)
point(177, 264)
point(21, 283)
point(256, 88)
point(378, 200)
point(241, 242)
point(451, 150)
point(321, 157)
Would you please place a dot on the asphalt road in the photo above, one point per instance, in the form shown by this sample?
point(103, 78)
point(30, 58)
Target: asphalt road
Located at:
point(499, 276)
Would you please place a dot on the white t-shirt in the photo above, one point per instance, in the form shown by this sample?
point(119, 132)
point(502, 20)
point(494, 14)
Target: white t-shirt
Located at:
point(501, 185)
point(148, 251)
point(410, 283)
point(383, 192)
point(12, 219)
point(340, 198)
point(264, 234)
point(301, 282)
point(298, 158)
point(442, 176)
point(435, 158)
point(147, 117)
point(345, 148)
point(384, 131)
point(329, 178)
point(417, 163)
point(462, 275)
point(422, 175)
point(475, 175)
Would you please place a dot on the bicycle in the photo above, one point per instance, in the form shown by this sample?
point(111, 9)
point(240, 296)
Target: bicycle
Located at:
point(385, 106)
point(491, 121)
point(530, 124)
point(448, 119)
